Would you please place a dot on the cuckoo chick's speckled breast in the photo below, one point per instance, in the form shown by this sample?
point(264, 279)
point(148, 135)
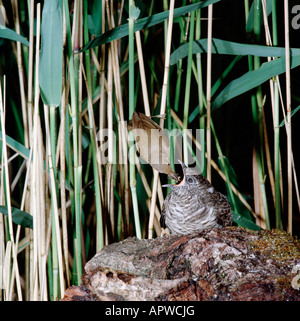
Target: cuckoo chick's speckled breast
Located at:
point(194, 205)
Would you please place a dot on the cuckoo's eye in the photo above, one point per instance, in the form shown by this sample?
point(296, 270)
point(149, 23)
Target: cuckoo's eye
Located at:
point(190, 180)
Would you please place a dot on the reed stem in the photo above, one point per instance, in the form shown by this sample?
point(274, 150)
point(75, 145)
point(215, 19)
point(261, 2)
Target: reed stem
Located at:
point(208, 90)
point(288, 116)
point(162, 111)
point(132, 173)
point(188, 87)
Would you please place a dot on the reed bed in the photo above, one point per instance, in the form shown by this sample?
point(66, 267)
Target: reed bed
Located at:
point(72, 75)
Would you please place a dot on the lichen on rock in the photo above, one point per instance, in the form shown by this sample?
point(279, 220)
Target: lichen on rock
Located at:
point(232, 263)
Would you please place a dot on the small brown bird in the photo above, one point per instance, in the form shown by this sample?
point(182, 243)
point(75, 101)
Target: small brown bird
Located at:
point(194, 205)
point(152, 143)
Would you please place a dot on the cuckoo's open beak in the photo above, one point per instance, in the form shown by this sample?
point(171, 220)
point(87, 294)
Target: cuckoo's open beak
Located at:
point(182, 183)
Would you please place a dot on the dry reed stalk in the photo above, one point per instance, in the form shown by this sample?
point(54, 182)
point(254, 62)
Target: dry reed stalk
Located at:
point(62, 180)
point(6, 270)
point(102, 102)
point(292, 158)
point(288, 123)
point(48, 223)
point(108, 171)
point(43, 216)
point(162, 111)
point(8, 199)
point(120, 9)
point(123, 134)
point(94, 139)
point(149, 194)
point(124, 168)
point(36, 173)
point(266, 24)
point(208, 91)
point(153, 203)
point(269, 42)
point(30, 68)
point(276, 86)
point(147, 113)
point(98, 68)
point(74, 35)
point(142, 73)
point(131, 109)
point(35, 212)
point(39, 151)
point(272, 85)
point(36, 170)
point(268, 155)
point(18, 175)
point(28, 234)
point(102, 116)
point(110, 137)
point(260, 218)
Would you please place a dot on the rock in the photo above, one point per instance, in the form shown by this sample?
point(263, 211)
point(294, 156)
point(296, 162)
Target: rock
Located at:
point(221, 264)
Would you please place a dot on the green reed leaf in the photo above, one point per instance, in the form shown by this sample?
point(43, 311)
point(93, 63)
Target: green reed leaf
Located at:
point(122, 31)
point(224, 47)
point(292, 114)
point(253, 79)
point(50, 69)
point(19, 217)
point(9, 34)
point(244, 222)
point(16, 146)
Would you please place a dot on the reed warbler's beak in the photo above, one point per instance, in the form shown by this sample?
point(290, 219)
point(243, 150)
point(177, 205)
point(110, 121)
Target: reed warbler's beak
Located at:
point(183, 182)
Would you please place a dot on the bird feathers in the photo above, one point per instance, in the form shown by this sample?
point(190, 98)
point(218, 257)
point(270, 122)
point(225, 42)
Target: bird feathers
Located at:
point(152, 143)
point(194, 207)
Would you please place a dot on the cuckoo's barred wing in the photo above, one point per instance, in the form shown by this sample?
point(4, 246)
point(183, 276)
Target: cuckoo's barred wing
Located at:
point(163, 217)
point(223, 208)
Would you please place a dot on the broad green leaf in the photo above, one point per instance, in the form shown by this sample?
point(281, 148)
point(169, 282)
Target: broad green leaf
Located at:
point(12, 35)
point(292, 114)
point(122, 31)
point(50, 69)
point(230, 48)
point(244, 222)
point(249, 80)
point(253, 79)
point(16, 146)
point(19, 217)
